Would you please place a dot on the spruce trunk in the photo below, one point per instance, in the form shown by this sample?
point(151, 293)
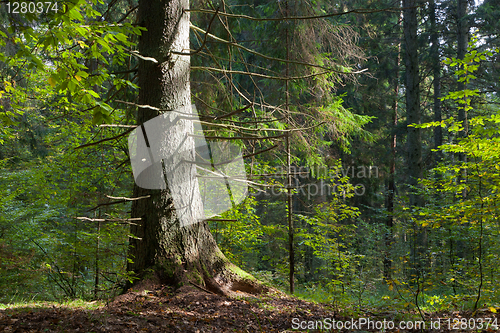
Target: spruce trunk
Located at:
point(161, 249)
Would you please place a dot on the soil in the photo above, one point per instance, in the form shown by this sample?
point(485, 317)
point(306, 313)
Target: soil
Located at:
point(188, 309)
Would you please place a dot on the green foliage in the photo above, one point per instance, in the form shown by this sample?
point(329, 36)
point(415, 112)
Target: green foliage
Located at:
point(239, 239)
point(467, 211)
point(56, 87)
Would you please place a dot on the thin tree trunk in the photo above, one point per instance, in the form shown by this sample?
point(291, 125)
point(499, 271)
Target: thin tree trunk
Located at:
point(436, 69)
point(391, 188)
point(462, 40)
point(289, 198)
point(413, 114)
point(412, 98)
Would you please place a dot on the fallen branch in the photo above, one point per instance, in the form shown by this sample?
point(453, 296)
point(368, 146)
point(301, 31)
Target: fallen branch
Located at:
point(203, 289)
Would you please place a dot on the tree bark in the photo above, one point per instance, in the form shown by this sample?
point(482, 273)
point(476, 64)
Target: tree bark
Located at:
point(164, 250)
point(412, 98)
point(391, 187)
point(462, 40)
point(414, 141)
point(436, 69)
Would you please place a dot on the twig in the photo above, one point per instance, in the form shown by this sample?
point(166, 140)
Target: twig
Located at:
point(282, 78)
point(107, 220)
point(127, 14)
point(232, 113)
point(260, 152)
point(204, 39)
point(268, 57)
point(354, 11)
point(136, 54)
point(106, 204)
point(128, 199)
point(115, 125)
point(238, 137)
point(104, 140)
point(201, 288)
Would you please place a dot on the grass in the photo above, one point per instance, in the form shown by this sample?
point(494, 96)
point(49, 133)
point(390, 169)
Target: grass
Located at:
point(72, 304)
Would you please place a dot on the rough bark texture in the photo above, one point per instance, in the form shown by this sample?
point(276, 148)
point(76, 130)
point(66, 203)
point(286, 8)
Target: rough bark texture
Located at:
point(462, 41)
point(413, 112)
point(436, 69)
point(391, 186)
point(413, 115)
point(162, 250)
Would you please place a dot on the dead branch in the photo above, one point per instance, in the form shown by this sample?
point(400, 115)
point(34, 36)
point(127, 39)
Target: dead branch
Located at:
point(127, 14)
point(238, 138)
point(128, 221)
point(291, 18)
point(226, 71)
point(128, 199)
point(204, 39)
point(271, 58)
point(260, 151)
point(104, 140)
point(203, 289)
point(121, 126)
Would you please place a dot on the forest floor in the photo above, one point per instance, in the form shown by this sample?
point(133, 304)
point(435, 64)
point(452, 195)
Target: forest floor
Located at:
point(192, 310)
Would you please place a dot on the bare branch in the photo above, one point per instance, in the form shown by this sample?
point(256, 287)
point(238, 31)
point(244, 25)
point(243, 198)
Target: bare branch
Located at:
point(354, 11)
point(203, 289)
point(106, 204)
point(104, 140)
point(260, 151)
point(225, 71)
point(136, 54)
point(121, 126)
point(234, 112)
point(204, 39)
point(128, 199)
point(127, 14)
point(268, 57)
point(107, 220)
point(238, 137)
